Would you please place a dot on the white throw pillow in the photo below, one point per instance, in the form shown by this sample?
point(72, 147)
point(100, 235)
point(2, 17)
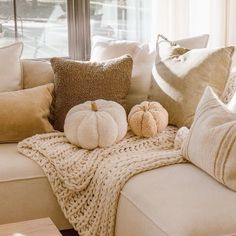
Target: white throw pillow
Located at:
point(143, 59)
point(163, 46)
point(10, 67)
point(210, 144)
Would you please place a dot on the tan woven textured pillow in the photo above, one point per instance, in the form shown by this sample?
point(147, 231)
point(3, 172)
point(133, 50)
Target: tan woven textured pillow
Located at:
point(181, 80)
point(24, 113)
point(211, 142)
point(78, 82)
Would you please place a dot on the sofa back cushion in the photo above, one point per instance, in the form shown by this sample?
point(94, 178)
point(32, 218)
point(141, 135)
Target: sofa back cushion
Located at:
point(10, 67)
point(36, 73)
point(143, 59)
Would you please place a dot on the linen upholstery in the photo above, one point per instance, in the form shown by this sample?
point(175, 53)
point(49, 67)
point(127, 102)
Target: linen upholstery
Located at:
point(36, 73)
point(213, 130)
point(181, 80)
point(179, 200)
point(143, 58)
point(78, 82)
point(24, 190)
point(158, 202)
point(10, 67)
point(24, 113)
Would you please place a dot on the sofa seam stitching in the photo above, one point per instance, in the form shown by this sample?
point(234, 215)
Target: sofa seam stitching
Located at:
point(22, 179)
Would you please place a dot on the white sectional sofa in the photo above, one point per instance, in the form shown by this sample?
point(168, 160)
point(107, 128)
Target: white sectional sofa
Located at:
point(178, 200)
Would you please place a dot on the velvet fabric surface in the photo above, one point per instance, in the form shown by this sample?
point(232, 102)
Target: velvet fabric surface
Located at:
point(24, 113)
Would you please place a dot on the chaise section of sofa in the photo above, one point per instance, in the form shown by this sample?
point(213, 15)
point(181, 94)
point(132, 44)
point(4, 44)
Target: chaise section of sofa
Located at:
point(178, 200)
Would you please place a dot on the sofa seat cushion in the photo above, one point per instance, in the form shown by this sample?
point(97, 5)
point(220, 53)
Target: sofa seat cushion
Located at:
point(25, 192)
point(178, 200)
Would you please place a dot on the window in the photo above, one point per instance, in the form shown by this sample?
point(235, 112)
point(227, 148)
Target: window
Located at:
point(120, 19)
point(66, 28)
point(40, 24)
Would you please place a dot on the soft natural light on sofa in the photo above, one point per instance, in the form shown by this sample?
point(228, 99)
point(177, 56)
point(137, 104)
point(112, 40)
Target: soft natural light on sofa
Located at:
point(232, 104)
point(18, 234)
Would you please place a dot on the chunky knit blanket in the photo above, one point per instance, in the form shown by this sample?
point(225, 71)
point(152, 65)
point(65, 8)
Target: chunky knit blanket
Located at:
point(87, 184)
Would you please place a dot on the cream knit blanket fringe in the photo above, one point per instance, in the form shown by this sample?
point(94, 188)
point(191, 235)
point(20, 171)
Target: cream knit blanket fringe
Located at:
point(87, 184)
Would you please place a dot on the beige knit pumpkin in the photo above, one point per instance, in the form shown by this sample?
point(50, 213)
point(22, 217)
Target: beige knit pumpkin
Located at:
point(147, 119)
point(94, 124)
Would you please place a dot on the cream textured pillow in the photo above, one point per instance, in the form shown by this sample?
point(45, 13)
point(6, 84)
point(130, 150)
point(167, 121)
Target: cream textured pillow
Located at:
point(181, 80)
point(143, 59)
point(210, 144)
point(10, 67)
point(79, 81)
point(24, 113)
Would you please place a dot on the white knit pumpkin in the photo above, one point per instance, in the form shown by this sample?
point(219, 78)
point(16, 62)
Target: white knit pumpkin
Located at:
point(147, 119)
point(94, 124)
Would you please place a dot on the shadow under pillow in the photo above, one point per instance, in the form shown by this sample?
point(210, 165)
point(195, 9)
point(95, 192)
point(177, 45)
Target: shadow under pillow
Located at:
point(77, 82)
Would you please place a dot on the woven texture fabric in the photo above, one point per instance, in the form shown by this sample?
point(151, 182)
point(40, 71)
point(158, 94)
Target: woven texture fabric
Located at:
point(77, 82)
point(86, 183)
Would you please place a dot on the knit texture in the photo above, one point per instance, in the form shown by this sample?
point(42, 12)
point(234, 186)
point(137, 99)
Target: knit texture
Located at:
point(87, 184)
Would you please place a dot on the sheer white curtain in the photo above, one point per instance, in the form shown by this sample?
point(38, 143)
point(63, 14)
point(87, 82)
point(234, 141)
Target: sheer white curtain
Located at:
point(142, 20)
point(182, 18)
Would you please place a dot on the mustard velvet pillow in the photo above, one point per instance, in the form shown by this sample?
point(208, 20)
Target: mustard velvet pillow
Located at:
point(24, 113)
point(182, 75)
point(211, 142)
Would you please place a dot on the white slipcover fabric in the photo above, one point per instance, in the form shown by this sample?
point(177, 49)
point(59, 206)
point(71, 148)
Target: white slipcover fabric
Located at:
point(177, 200)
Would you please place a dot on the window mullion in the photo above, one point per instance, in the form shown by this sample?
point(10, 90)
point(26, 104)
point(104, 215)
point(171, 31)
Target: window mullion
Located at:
point(15, 18)
point(79, 29)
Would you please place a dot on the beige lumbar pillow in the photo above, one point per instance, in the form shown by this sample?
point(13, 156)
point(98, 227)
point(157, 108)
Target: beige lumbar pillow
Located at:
point(182, 77)
point(210, 144)
point(10, 67)
point(25, 113)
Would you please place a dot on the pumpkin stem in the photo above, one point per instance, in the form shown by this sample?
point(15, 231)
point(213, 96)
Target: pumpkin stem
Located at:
point(94, 106)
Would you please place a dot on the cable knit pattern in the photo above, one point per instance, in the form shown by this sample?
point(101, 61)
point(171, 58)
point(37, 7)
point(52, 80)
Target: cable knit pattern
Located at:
point(87, 184)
